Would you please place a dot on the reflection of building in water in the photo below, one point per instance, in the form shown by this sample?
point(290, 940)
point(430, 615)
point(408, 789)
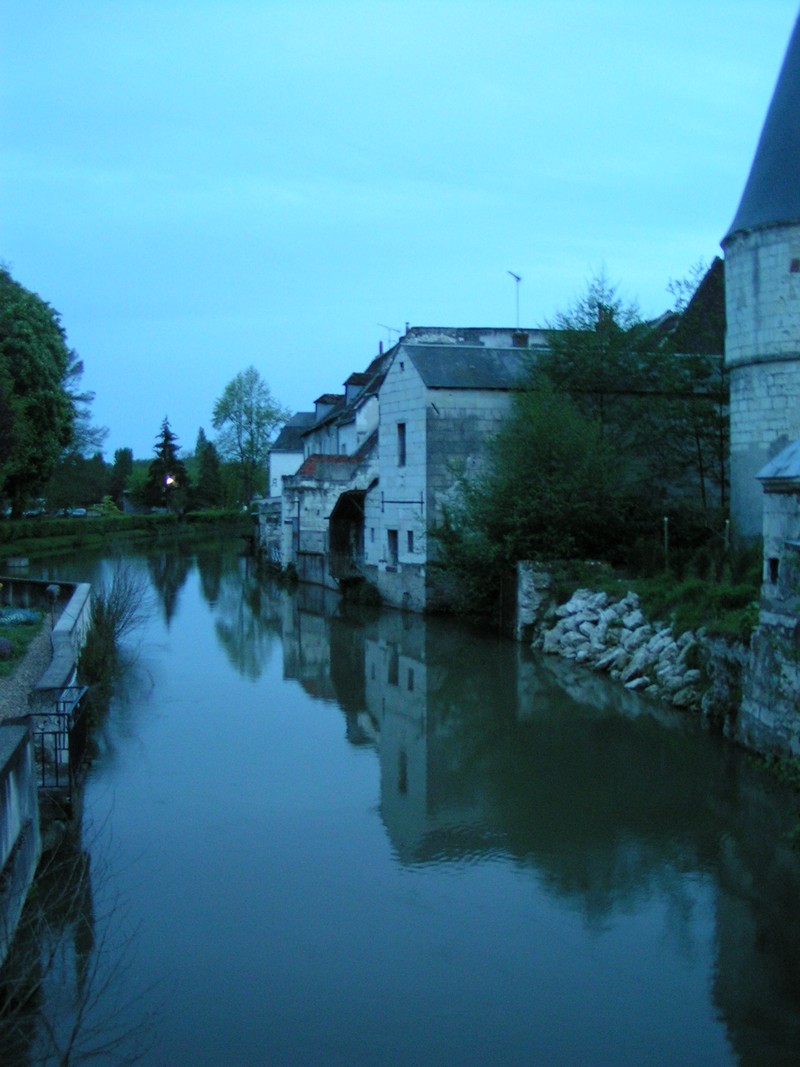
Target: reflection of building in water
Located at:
point(396, 691)
point(609, 802)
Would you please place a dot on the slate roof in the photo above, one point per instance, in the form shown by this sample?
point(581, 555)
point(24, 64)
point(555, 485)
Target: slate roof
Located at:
point(467, 367)
point(290, 438)
point(772, 192)
point(784, 467)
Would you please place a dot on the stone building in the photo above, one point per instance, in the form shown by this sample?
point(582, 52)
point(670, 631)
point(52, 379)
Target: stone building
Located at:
point(762, 282)
point(446, 393)
point(286, 454)
point(769, 719)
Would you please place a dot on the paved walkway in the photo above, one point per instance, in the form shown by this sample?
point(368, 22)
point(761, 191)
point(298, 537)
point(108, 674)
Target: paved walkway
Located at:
point(14, 690)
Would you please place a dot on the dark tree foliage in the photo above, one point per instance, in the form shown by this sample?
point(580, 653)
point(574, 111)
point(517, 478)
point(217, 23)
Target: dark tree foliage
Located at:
point(77, 481)
point(120, 472)
point(167, 480)
point(37, 410)
point(554, 486)
point(621, 423)
point(657, 389)
point(209, 491)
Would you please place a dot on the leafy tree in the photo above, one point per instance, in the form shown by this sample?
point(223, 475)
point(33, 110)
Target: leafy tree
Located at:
point(167, 480)
point(37, 411)
point(554, 486)
point(246, 417)
point(657, 389)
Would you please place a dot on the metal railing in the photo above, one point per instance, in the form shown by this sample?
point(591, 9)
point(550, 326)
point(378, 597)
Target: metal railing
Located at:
point(60, 739)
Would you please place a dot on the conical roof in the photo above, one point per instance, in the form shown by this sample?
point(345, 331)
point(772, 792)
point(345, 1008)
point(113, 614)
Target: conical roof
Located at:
point(772, 193)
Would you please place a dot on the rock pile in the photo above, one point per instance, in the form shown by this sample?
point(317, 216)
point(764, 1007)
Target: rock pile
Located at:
point(615, 637)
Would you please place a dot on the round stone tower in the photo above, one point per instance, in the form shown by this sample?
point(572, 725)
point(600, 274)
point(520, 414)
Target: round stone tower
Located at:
point(762, 298)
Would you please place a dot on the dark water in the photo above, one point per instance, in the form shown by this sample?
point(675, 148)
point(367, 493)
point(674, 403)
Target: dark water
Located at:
point(335, 837)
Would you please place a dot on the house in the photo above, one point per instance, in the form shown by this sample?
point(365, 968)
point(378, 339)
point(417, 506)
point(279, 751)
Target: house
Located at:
point(780, 480)
point(322, 504)
point(446, 392)
point(286, 454)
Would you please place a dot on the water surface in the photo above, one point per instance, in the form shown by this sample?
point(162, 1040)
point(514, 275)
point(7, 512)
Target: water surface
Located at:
point(348, 837)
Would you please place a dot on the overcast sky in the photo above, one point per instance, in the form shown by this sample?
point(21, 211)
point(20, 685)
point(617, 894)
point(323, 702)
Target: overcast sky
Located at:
point(201, 185)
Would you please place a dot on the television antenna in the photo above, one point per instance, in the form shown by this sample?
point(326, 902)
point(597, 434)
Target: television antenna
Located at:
point(517, 279)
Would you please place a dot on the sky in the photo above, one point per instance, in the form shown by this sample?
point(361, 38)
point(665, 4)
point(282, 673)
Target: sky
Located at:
point(198, 186)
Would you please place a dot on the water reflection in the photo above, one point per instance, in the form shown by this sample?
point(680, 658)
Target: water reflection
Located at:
point(488, 751)
point(585, 800)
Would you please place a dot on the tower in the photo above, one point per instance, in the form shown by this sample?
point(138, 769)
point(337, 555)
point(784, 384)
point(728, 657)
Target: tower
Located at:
point(762, 287)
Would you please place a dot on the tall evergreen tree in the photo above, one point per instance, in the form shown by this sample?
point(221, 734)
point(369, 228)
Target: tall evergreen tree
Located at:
point(209, 491)
point(167, 480)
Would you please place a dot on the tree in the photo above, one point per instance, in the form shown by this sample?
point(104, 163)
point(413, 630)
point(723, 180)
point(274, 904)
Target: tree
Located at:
point(37, 411)
point(209, 491)
point(77, 481)
point(167, 480)
point(554, 486)
point(656, 388)
point(246, 417)
point(120, 472)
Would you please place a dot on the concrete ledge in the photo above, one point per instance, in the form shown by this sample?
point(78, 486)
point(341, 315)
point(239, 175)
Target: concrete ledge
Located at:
point(67, 639)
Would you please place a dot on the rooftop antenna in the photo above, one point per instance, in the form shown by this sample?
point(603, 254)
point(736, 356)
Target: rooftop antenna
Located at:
point(517, 280)
point(389, 331)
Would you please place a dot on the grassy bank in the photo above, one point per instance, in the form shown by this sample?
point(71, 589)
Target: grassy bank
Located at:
point(721, 599)
point(42, 537)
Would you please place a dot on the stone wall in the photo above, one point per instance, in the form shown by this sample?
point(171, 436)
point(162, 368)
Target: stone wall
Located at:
point(20, 844)
point(769, 721)
point(762, 295)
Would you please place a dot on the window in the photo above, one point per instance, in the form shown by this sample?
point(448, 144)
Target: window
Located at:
point(773, 570)
point(391, 546)
point(411, 542)
point(372, 535)
point(401, 444)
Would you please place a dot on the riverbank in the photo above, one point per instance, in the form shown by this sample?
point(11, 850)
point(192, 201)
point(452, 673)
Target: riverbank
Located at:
point(38, 538)
point(688, 670)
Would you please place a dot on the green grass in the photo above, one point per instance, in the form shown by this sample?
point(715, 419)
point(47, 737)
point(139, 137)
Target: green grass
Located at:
point(20, 636)
point(724, 604)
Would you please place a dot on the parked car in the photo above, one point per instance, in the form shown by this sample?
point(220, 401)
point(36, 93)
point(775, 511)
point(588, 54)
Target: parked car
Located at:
point(78, 513)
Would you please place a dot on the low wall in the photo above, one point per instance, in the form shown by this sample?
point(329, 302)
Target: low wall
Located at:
point(67, 639)
point(20, 843)
point(769, 721)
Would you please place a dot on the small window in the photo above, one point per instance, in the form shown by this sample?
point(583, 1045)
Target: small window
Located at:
point(410, 680)
point(393, 672)
point(391, 545)
point(411, 541)
point(372, 535)
point(401, 444)
point(773, 566)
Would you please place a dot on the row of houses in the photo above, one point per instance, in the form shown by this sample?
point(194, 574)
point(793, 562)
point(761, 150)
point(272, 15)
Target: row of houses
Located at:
point(356, 484)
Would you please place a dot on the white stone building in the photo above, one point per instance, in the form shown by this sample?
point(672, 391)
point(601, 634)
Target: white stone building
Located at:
point(286, 455)
point(445, 394)
point(762, 283)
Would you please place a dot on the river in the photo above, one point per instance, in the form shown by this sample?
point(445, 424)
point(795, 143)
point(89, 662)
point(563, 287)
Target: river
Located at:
point(321, 835)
